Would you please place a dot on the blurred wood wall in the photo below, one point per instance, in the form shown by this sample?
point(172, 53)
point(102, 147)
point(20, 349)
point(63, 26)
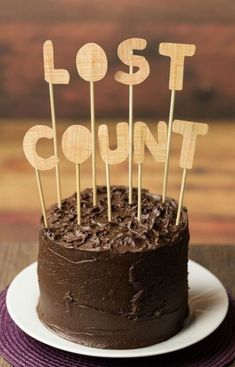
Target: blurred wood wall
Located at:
point(209, 84)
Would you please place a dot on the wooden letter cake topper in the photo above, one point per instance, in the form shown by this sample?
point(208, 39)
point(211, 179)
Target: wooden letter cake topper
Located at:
point(142, 137)
point(92, 66)
point(54, 76)
point(190, 131)
point(78, 143)
point(76, 146)
point(177, 53)
point(116, 156)
point(125, 53)
point(29, 146)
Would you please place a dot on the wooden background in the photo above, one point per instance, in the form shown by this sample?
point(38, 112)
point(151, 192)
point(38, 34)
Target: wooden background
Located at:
point(209, 75)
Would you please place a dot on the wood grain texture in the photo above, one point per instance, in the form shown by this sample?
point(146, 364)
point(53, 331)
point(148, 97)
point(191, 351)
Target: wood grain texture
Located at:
point(52, 75)
point(31, 138)
point(118, 155)
point(143, 136)
point(76, 143)
point(14, 256)
point(210, 194)
point(126, 54)
point(190, 131)
point(177, 53)
point(91, 61)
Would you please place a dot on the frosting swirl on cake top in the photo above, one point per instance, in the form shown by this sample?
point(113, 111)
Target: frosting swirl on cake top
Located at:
point(124, 233)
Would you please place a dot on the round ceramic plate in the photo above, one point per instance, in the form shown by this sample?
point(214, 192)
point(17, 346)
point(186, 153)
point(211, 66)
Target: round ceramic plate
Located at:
point(208, 304)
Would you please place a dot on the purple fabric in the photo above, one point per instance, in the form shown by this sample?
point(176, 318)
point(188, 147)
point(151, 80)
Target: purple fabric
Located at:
point(20, 350)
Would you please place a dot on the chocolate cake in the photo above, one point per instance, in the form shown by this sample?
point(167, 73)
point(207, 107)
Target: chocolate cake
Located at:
point(119, 284)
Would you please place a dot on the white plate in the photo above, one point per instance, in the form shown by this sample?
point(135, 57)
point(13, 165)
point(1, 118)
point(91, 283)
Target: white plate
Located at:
point(208, 303)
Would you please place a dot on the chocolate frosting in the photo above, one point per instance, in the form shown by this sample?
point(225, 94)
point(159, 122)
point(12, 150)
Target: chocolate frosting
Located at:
point(114, 289)
point(124, 233)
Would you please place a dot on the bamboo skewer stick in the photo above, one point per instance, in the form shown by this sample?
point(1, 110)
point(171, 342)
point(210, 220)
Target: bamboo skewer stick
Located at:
point(41, 196)
point(126, 55)
point(142, 137)
point(130, 162)
point(54, 76)
point(93, 145)
point(78, 190)
point(57, 170)
point(168, 147)
point(177, 53)
point(113, 156)
point(76, 146)
point(181, 197)
point(190, 131)
point(78, 143)
point(107, 170)
point(139, 190)
point(31, 138)
point(92, 65)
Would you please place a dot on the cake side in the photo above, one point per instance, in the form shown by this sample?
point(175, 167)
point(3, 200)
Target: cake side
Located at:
point(120, 295)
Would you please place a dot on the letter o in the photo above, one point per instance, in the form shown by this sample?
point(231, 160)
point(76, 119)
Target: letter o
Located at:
point(91, 62)
point(76, 143)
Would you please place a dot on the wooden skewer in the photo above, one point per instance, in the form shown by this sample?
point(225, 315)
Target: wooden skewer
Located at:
point(181, 197)
point(76, 146)
point(41, 196)
point(130, 163)
point(93, 156)
point(142, 137)
point(190, 131)
point(57, 170)
point(169, 134)
point(29, 146)
point(125, 53)
point(54, 76)
point(139, 190)
point(107, 170)
point(177, 53)
point(113, 156)
point(78, 189)
point(92, 65)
